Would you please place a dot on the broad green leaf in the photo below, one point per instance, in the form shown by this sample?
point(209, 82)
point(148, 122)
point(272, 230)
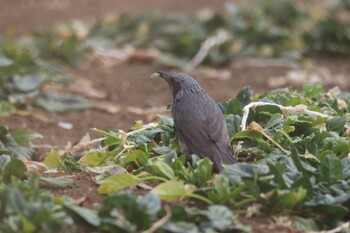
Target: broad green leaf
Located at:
point(274, 121)
point(88, 215)
point(5, 108)
point(150, 202)
point(27, 226)
point(232, 106)
point(278, 178)
point(28, 83)
point(220, 216)
point(117, 182)
point(346, 167)
point(233, 124)
point(59, 181)
point(5, 61)
point(94, 158)
point(336, 124)
point(305, 183)
point(334, 211)
point(203, 172)
point(61, 102)
point(162, 169)
point(128, 211)
point(291, 198)
point(305, 224)
point(331, 168)
point(15, 168)
point(172, 190)
point(238, 171)
point(4, 160)
point(313, 91)
point(222, 189)
point(52, 159)
point(137, 156)
point(166, 120)
point(7, 143)
point(244, 96)
point(24, 136)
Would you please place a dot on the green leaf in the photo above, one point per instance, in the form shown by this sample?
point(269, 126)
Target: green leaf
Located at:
point(291, 198)
point(220, 216)
point(61, 102)
point(336, 124)
point(9, 144)
point(203, 172)
point(336, 212)
point(313, 91)
point(222, 189)
point(150, 203)
point(244, 96)
point(305, 224)
point(238, 171)
point(59, 181)
point(6, 108)
point(28, 83)
point(160, 168)
point(88, 215)
point(232, 106)
point(4, 160)
point(233, 124)
point(331, 168)
point(4, 61)
point(166, 120)
point(172, 190)
point(117, 182)
point(94, 158)
point(346, 167)
point(15, 168)
point(24, 136)
point(137, 156)
point(53, 159)
point(278, 178)
point(275, 120)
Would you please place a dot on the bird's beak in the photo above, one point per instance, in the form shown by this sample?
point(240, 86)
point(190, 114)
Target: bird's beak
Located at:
point(161, 74)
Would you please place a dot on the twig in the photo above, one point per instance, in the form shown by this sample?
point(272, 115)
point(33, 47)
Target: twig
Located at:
point(150, 125)
point(160, 222)
point(219, 38)
point(289, 109)
point(140, 111)
point(45, 146)
point(342, 228)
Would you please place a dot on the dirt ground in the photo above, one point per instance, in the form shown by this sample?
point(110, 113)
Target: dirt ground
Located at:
point(128, 84)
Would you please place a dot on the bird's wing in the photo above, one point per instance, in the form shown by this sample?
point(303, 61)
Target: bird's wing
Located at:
point(202, 128)
point(199, 123)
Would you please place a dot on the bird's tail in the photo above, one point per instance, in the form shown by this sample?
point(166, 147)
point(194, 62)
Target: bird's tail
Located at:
point(223, 157)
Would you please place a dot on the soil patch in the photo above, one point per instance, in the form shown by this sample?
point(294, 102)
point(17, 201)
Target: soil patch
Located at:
point(83, 190)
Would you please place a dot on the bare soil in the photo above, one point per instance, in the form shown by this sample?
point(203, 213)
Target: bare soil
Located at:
point(128, 84)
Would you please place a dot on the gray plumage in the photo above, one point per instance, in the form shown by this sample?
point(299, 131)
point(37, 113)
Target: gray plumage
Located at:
point(199, 121)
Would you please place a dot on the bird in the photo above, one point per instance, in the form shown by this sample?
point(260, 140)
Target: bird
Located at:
point(199, 121)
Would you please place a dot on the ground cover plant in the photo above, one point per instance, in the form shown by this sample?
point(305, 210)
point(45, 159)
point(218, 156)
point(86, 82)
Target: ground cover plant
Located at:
point(293, 146)
point(292, 163)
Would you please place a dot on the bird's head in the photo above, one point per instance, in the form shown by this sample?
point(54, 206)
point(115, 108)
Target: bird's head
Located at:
point(178, 82)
